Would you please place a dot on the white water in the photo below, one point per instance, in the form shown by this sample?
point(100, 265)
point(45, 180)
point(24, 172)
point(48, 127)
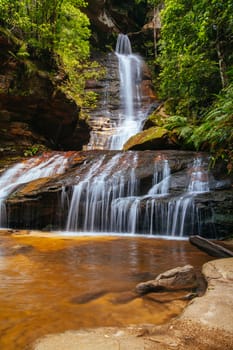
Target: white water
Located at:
point(29, 170)
point(126, 212)
point(130, 120)
point(92, 198)
point(176, 216)
point(182, 210)
point(109, 200)
point(108, 196)
point(161, 184)
point(199, 179)
point(121, 116)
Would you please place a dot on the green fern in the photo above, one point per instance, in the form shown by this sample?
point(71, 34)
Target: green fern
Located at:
point(216, 128)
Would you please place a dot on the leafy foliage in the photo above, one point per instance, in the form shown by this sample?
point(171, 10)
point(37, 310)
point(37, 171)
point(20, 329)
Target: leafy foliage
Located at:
point(196, 77)
point(56, 29)
point(196, 55)
point(215, 132)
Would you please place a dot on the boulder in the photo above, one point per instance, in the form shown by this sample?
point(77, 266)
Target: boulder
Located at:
point(174, 279)
point(214, 309)
point(152, 138)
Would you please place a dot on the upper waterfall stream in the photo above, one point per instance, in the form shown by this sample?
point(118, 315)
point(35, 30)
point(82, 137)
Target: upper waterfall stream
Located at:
point(125, 121)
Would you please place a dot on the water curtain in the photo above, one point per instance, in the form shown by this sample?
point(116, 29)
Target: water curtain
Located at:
point(130, 74)
point(110, 196)
point(121, 111)
point(27, 171)
point(109, 200)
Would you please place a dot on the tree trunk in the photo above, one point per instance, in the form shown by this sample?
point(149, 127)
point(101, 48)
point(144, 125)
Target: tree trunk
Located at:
point(210, 248)
point(221, 62)
point(155, 34)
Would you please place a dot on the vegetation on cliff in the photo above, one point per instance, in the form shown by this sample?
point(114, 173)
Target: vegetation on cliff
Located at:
point(196, 72)
point(55, 34)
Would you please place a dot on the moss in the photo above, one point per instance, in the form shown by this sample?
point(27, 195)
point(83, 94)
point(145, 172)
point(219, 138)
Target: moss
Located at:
point(157, 118)
point(152, 137)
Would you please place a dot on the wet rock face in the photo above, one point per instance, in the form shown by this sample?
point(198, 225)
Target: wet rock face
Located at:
point(49, 120)
point(110, 17)
point(103, 118)
point(44, 203)
point(33, 111)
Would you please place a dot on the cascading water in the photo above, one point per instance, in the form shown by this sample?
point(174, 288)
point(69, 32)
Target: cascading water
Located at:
point(124, 118)
point(92, 198)
point(120, 192)
point(109, 199)
point(182, 210)
point(155, 212)
point(137, 213)
point(29, 170)
point(130, 121)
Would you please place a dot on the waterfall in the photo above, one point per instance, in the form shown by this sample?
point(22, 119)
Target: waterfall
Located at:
point(123, 45)
point(26, 171)
point(92, 198)
point(119, 192)
point(182, 210)
point(122, 110)
point(161, 183)
point(106, 194)
point(130, 120)
point(127, 214)
point(199, 179)
point(155, 212)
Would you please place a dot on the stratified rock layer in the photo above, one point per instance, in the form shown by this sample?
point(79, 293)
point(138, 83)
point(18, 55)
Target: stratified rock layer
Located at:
point(44, 203)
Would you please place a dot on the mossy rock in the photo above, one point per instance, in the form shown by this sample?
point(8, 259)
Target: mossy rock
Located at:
point(156, 118)
point(151, 139)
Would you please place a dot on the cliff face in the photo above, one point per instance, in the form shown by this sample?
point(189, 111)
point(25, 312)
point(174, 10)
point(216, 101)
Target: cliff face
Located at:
point(111, 17)
point(34, 114)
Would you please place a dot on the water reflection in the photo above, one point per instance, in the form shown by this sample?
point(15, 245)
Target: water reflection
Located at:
point(51, 285)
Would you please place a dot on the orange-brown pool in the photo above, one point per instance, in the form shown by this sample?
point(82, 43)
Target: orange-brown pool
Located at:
point(52, 284)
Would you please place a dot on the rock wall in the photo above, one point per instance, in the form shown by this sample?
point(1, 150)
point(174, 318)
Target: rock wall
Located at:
point(43, 203)
point(109, 105)
point(108, 18)
point(33, 111)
